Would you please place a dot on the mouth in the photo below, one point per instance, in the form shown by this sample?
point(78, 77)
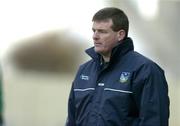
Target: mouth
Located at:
point(97, 44)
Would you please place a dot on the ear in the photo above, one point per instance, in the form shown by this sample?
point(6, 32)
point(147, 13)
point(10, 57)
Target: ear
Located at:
point(121, 34)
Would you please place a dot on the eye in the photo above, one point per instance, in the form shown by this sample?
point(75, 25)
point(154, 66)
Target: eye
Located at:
point(102, 31)
point(99, 31)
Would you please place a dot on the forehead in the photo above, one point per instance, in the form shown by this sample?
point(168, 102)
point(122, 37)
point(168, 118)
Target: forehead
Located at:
point(104, 24)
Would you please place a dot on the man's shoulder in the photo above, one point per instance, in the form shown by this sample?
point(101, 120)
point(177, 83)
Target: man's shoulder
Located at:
point(85, 67)
point(86, 64)
point(146, 62)
point(142, 59)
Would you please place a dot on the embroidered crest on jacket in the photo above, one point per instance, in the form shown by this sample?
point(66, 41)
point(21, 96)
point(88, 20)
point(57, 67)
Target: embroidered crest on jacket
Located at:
point(124, 77)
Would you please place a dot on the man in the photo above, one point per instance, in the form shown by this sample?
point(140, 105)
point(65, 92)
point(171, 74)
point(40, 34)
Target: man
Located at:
point(118, 86)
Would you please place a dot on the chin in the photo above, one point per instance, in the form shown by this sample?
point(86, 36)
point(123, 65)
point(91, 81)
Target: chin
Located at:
point(97, 50)
point(100, 50)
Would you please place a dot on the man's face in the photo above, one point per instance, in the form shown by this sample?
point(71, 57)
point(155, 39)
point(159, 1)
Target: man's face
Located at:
point(104, 37)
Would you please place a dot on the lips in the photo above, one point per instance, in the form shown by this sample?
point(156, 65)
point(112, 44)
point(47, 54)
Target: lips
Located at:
point(97, 44)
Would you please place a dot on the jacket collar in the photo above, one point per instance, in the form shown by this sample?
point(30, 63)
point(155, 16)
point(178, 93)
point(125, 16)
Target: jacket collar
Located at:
point(117, 52)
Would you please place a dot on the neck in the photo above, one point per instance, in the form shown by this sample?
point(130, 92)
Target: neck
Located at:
point(106, 58)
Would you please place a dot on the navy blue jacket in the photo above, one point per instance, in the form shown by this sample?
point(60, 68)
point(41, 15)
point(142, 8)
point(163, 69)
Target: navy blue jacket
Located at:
point(130, 91)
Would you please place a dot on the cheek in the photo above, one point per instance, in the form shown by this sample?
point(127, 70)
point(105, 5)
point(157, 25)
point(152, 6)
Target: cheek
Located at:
point(111, 42)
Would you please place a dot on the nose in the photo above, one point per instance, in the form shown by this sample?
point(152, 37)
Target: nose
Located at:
point(95, 35)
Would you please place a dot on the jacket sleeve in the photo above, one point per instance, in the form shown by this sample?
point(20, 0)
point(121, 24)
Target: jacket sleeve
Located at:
point(151, 96)
point(71, 109)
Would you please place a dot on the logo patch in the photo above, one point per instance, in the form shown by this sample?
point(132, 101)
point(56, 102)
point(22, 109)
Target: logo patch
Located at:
point(124, 77)
point(84, 77)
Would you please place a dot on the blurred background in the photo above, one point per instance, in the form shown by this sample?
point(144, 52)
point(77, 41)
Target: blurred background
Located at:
point(42, 44)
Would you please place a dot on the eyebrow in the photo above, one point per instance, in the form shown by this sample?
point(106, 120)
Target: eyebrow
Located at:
point(98, 29)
